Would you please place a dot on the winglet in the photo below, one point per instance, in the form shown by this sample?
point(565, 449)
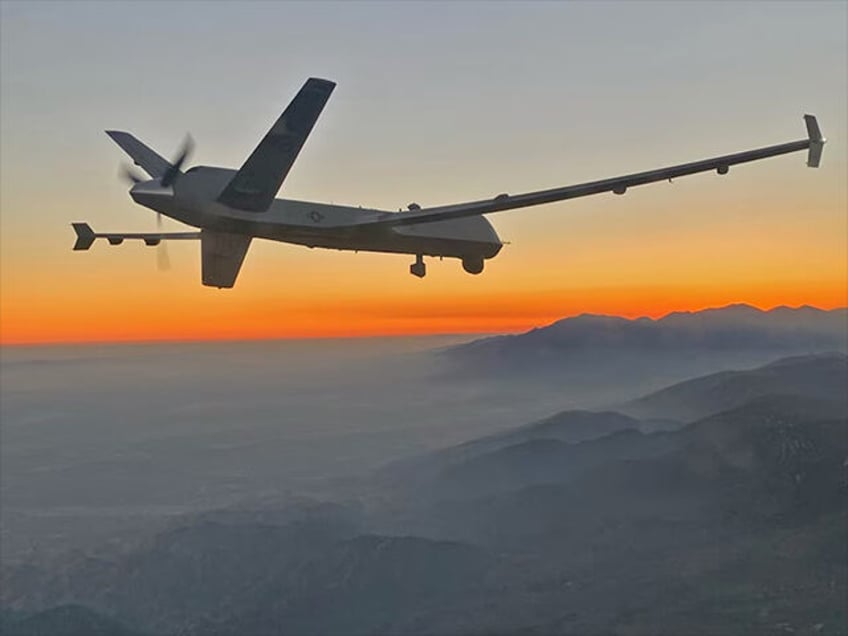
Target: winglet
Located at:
point(816, 141)
point(85, 236)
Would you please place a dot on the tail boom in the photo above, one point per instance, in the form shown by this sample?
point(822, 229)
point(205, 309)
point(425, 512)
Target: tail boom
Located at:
point(86, 236)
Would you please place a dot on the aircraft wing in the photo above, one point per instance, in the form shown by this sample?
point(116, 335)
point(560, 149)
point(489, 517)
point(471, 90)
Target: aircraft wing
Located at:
point(619, 185)
point(86, 236)
point(255, 185)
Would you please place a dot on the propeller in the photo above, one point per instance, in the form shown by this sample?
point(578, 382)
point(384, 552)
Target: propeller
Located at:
point(171, 175)
point(163, 262)
point(174, 171)
point(130, 175)
point(168, 179)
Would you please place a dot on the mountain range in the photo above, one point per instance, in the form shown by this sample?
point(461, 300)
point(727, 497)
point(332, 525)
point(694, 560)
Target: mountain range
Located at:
point(731, 327)
point(716, 505)
point(588, 351)
point(818, 377)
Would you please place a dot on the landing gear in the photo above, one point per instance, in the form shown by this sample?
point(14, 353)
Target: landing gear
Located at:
point(472, 265)
point(418, 268)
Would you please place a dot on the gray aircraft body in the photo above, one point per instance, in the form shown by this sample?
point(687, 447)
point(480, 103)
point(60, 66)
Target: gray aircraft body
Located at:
point(232, 207)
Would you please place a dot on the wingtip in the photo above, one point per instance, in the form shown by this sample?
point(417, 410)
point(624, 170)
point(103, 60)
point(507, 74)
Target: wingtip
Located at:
point(322, 82)
point(816, 139)
point(813, 129)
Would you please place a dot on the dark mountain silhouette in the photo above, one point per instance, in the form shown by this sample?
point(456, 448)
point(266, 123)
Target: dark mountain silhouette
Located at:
point(567, 427)
point(368, 584)
point(256, 579)
point(731, 327)
point(777, 455)
point(65, 620)
point(572, 426)
point(551, 449)
point(584, 352)
point(776, 398)
point(749, 500)
point(584, 523)
point(155, 584)
point(822, 376)
point(539, 461)
point(787, 453)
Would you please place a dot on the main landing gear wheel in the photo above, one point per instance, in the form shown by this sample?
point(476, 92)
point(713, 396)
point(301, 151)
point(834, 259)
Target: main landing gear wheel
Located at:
point(418, 268)
point(472, 265)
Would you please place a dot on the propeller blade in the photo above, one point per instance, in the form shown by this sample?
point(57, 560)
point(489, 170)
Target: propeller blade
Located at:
point(188, 148)
point(163, 262)
point(174, 171)
point(127, 173)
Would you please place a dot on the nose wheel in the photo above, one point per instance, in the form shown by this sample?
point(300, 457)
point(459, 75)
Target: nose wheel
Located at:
point(418, 268)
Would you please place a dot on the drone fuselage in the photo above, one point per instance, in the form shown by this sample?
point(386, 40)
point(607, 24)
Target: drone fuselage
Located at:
point(193, 200)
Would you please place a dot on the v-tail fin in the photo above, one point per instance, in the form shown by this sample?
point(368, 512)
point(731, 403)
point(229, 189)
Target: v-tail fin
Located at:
point(152, 163)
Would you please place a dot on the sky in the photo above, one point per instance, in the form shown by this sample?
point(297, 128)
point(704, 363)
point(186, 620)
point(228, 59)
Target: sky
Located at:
point(436, 103)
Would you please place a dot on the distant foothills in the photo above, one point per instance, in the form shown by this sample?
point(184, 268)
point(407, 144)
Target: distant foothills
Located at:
point(587, 352)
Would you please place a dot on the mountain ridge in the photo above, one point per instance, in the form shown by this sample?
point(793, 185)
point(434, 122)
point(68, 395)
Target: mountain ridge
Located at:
point(816, 375)
point(833, 321)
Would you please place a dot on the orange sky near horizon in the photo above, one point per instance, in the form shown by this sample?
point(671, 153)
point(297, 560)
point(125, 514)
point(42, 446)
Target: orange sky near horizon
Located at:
point(479, 315)
point(173, 306)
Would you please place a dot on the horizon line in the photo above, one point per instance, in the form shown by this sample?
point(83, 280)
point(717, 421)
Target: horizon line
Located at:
point(382, 336)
